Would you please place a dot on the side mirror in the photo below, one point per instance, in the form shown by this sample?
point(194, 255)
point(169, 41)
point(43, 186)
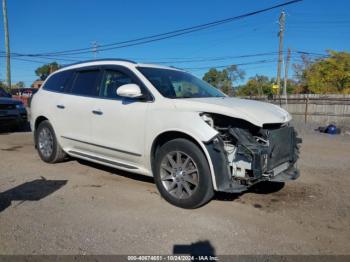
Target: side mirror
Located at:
point(129, 90)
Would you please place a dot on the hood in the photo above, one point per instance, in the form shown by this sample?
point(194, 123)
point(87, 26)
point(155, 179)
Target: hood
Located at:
point(255, 112)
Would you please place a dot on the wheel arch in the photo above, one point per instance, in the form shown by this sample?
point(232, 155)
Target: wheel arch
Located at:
point(169, 135)
point(38, 120)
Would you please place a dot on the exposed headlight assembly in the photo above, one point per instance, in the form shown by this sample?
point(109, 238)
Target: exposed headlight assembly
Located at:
point(208, 119)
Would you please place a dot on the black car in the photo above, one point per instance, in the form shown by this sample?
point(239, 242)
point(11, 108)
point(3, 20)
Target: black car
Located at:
point(13, 113)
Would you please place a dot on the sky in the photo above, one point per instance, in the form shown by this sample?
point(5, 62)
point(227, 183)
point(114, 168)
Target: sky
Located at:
point(39, 26)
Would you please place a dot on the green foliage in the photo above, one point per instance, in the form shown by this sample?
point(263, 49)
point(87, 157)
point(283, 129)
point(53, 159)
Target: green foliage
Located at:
point(262, 85)
point(320, 76)
point(224, 79)
point(327, 75)
point(44, 71)
point(257, 85)
point(19, 84)
point(213, 77)
point(4, 87)
point(218, 79)
point(234, 73)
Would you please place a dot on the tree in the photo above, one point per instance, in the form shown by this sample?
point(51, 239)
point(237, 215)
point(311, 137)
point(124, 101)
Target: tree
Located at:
point(325, 75)
point(234, 74)
point(299, 69)
point(262, 85)
point(224, 79)
point(257, 85)
point(44, 71)
point(218, 79)
point(213, 77)
point(4, 91)
point(19, 84)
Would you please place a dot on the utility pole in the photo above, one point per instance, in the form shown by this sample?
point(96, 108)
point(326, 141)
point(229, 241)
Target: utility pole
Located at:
point(95, 48)
point(7, 45)
point(282, 21)
point(286, 77)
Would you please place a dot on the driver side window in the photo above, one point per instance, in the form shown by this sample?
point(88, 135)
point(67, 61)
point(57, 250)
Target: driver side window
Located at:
point(111, 81)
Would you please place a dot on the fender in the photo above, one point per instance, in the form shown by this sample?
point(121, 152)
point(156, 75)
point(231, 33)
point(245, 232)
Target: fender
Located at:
point(199, 142)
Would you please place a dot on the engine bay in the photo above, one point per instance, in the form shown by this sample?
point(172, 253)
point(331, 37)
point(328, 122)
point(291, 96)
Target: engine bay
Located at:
point(252, 152)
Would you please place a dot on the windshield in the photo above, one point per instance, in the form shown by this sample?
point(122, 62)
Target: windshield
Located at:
point(178, 84)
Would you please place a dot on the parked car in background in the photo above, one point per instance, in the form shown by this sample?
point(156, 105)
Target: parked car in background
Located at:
point(13, 114)
point(163, 122)
point(24, 92)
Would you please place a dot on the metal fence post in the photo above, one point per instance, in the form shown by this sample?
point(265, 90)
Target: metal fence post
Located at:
point(306, 107)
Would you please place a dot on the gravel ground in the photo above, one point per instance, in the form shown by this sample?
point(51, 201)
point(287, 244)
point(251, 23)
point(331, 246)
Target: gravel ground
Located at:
point(80, 208)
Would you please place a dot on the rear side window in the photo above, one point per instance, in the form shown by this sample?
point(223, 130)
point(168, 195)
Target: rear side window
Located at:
point(57, 82)
point(85, 83)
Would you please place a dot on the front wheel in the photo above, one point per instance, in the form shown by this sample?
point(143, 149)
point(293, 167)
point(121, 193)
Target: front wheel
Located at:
point(182, 174)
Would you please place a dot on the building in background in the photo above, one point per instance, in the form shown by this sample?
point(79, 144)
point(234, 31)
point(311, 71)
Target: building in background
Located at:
point(37, 84)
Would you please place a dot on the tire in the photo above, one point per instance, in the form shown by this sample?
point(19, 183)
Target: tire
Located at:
point(177, 181)
point(53, 153)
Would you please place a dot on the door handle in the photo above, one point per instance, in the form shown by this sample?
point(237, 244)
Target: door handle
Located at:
point(97, 112)
point(60, 106)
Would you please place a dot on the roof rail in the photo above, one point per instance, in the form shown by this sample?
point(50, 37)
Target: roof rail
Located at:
point(179, 68)
point(99, 60)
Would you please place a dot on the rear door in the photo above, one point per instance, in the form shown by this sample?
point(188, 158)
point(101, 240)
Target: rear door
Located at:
point(76, 108)
point(50, 96)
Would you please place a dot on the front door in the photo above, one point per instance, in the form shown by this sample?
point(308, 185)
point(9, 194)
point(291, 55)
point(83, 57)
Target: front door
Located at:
point(118, 125)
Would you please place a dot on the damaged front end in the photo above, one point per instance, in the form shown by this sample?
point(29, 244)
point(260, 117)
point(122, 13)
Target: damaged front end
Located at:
point(243, 154)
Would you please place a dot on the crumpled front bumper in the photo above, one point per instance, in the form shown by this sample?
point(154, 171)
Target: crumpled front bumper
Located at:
point(277, 154)
point(290, 174)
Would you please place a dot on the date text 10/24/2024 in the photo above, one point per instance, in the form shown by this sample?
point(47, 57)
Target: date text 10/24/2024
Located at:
point(172, 258)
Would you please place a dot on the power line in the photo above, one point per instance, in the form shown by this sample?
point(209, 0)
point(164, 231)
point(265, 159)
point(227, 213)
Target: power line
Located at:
point(223, 66)
point(177, 60)
point(28, 60)
point(311, 54)
point(162, 36)
point(213, 59)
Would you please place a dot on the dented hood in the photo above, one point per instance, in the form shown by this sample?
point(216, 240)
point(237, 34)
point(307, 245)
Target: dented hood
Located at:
point(255, 112)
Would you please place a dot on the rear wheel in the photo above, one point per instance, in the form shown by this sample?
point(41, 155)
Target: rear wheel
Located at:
point(46, 143)
point(182, 174)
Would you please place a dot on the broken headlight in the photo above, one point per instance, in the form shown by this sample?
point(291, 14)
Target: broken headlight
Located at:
point(208, 119)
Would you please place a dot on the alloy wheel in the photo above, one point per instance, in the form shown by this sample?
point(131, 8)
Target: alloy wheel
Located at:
point(45, 142)
point(179, 174)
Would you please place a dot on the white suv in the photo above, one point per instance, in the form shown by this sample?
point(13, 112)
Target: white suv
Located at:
point(163, 122)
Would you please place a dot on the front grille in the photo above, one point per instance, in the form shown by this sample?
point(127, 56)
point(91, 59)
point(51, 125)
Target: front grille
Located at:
point(7, 106)
point(281, 146)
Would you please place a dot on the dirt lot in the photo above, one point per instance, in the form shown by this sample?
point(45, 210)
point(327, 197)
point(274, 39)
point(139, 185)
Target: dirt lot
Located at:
point(79, 208)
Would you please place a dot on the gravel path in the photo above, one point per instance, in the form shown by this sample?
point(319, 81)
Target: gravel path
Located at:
point(80, 208)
